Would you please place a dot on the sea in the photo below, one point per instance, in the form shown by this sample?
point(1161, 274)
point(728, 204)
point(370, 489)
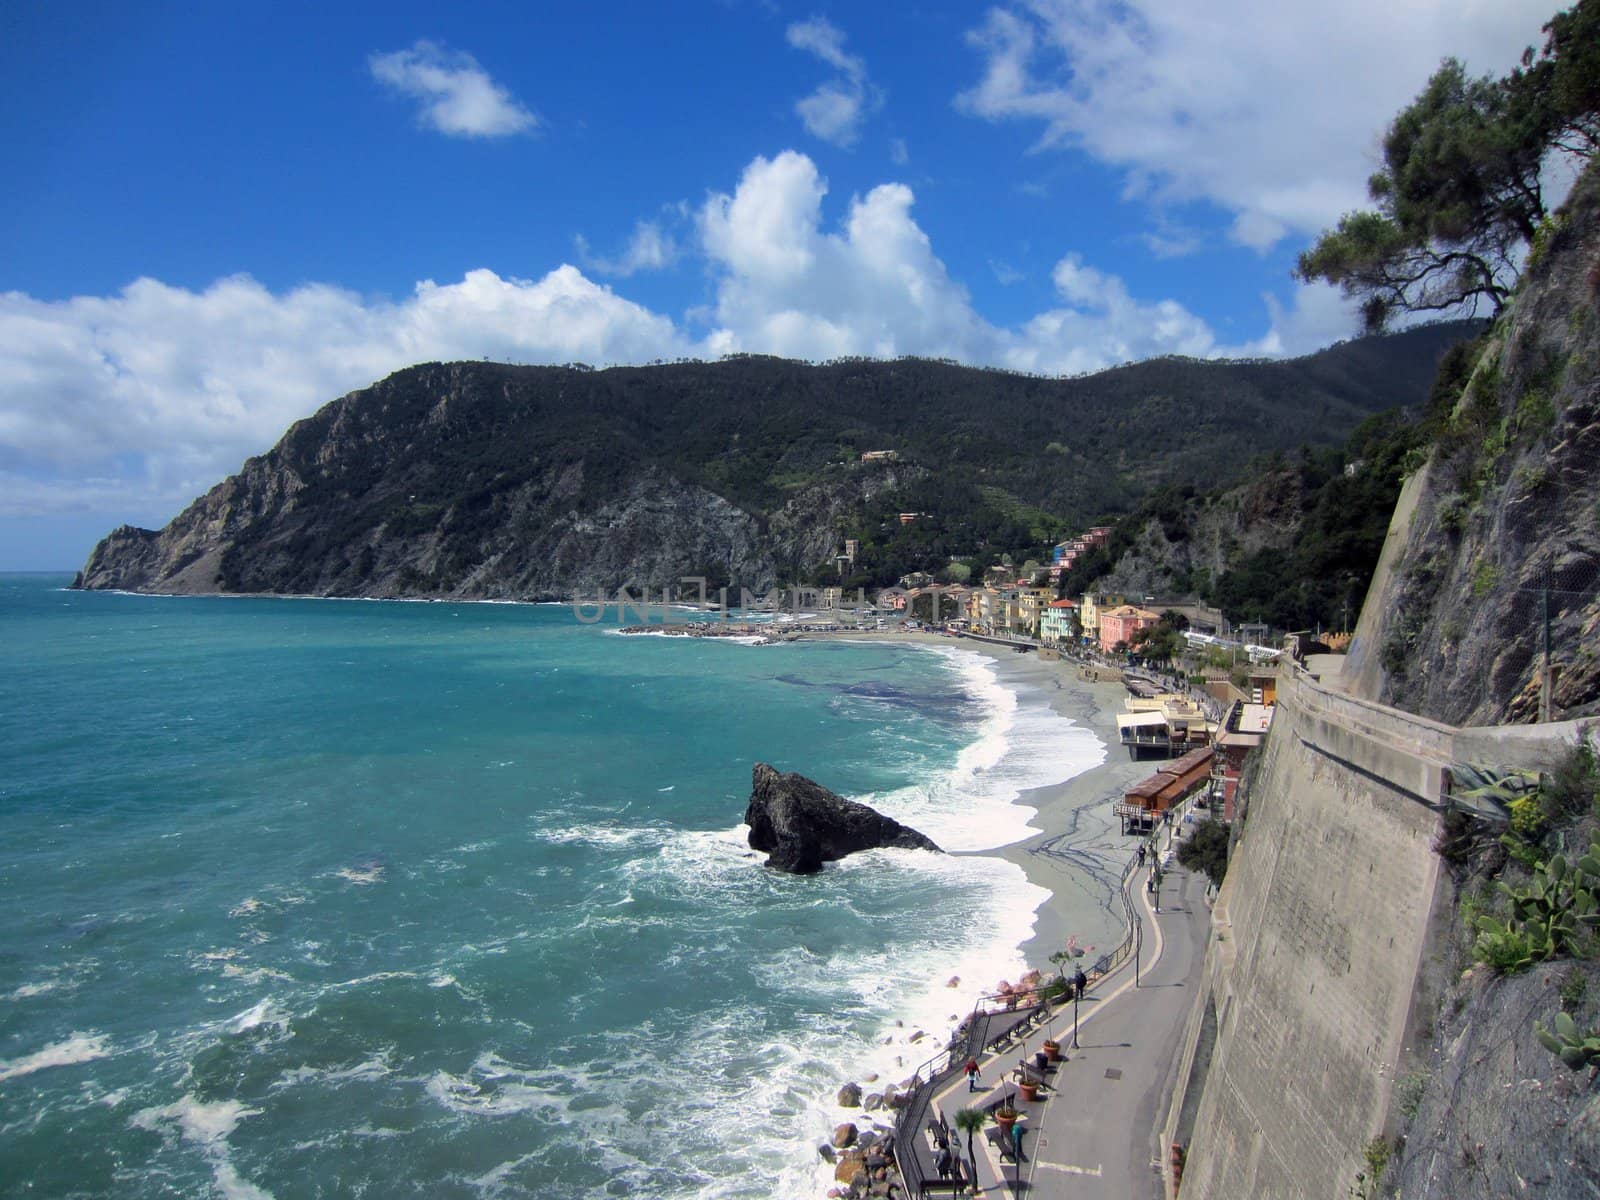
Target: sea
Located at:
point(308, 898)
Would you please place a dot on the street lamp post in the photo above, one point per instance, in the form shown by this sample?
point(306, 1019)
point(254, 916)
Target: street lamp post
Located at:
point(1079, 979)
point(1138, 945)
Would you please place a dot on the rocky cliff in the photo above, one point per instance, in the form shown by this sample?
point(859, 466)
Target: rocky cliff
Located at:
point(1355, 968)
point(1501, 549)
point(480, 480)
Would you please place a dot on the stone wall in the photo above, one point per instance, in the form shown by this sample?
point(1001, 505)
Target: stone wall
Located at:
point(1321, 973)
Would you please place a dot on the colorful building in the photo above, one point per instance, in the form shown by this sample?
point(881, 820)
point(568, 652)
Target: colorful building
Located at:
point(1118, 625)
point(1089, 611)
point(1058, 623)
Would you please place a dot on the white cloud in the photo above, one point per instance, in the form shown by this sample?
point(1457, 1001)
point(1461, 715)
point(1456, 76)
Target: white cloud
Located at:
point(876, 287)
point(1004, 273)
point(167, 389)
point(1170, 239)
point(787, 287)
point(835, 111)
point(1271, 111)
point(1100, 324)
point(457, 96)
point(1315, 316)
point(899, 155)
point(138, 400)
point(651, 248)
point(824, 39)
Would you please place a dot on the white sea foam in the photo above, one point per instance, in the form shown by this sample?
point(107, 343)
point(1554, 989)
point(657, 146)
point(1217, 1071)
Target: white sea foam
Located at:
point(786, 1087)
point(368, 873)
point(29, 990)
point(255, 974)
point(263, 1012)
point(207, 1126)
point(79, 1048)
point(366, 1072)
point(1021, 743)
point(608, 836)
point(494, 1087)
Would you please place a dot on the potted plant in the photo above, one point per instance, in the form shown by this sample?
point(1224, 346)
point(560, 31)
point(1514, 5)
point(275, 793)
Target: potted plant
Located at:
point(1006, 1116)
point(1029, 1090)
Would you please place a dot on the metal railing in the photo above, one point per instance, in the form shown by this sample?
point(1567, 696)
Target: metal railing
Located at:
point(931, 1075)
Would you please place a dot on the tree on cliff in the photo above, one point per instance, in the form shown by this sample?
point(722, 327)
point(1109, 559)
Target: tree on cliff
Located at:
point(1564, 79)
point(1459, 199)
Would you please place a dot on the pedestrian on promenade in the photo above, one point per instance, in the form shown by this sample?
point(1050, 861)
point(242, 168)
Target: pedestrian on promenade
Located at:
point(1141, 854)
point(943, 1163)
point(972, 1074)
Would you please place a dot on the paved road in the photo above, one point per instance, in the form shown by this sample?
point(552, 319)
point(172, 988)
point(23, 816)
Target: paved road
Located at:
point(1095, 1137)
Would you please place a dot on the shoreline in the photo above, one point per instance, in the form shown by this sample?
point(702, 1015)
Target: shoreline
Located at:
point(1077, 851)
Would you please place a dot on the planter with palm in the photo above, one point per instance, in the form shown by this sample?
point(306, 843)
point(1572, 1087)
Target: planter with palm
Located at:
point(969, 1121)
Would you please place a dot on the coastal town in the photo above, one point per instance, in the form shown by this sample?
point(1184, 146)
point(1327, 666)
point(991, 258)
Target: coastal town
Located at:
point(1187, 695)
point(993, 1111)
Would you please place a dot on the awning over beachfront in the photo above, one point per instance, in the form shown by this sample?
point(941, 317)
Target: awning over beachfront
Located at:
point(1142, 720)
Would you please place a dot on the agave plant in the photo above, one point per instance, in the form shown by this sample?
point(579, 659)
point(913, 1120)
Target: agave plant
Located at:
point(1486, 791)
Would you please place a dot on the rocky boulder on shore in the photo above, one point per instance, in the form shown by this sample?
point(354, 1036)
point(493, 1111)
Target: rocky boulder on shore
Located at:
point(800, 824)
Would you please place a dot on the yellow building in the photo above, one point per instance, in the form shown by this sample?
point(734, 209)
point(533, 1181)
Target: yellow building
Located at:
point(1093, 604)
point(1031, 605)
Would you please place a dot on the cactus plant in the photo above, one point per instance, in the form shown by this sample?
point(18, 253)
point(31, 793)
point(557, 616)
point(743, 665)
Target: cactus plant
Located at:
point(1550, 918)
point(1576, 1049)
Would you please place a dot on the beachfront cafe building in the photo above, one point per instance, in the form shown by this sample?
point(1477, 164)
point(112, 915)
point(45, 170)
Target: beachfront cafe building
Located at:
point(1162, 726)
point(1145, 803)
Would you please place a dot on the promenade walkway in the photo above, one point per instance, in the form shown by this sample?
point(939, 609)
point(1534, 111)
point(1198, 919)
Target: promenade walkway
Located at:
point(1093, 1132)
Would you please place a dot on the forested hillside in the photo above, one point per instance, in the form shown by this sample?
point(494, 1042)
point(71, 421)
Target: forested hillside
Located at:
point(481, 479)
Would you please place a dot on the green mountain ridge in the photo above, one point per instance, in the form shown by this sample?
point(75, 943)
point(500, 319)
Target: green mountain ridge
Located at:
point(482, 480)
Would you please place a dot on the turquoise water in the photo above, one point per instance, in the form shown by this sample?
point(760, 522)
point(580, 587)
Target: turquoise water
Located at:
point(314, 898)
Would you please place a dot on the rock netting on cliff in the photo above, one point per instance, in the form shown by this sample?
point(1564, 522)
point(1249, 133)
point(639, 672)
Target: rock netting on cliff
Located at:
point(800, 824)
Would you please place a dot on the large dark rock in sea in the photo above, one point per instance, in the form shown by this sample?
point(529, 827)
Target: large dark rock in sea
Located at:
point(801, 825)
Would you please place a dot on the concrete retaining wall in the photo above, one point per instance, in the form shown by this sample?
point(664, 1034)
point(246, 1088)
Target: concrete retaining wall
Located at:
point(1319, 967)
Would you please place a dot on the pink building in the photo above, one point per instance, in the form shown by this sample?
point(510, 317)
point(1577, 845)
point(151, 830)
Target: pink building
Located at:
point(1120, 624)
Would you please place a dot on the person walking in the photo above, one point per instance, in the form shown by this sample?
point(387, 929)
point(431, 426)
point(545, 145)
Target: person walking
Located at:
point(972, 1074)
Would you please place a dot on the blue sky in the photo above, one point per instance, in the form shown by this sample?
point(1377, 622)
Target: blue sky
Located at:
point(219, 217)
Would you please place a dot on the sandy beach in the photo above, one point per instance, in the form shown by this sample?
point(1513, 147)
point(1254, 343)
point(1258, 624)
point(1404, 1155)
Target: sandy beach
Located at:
point(1078, 853)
